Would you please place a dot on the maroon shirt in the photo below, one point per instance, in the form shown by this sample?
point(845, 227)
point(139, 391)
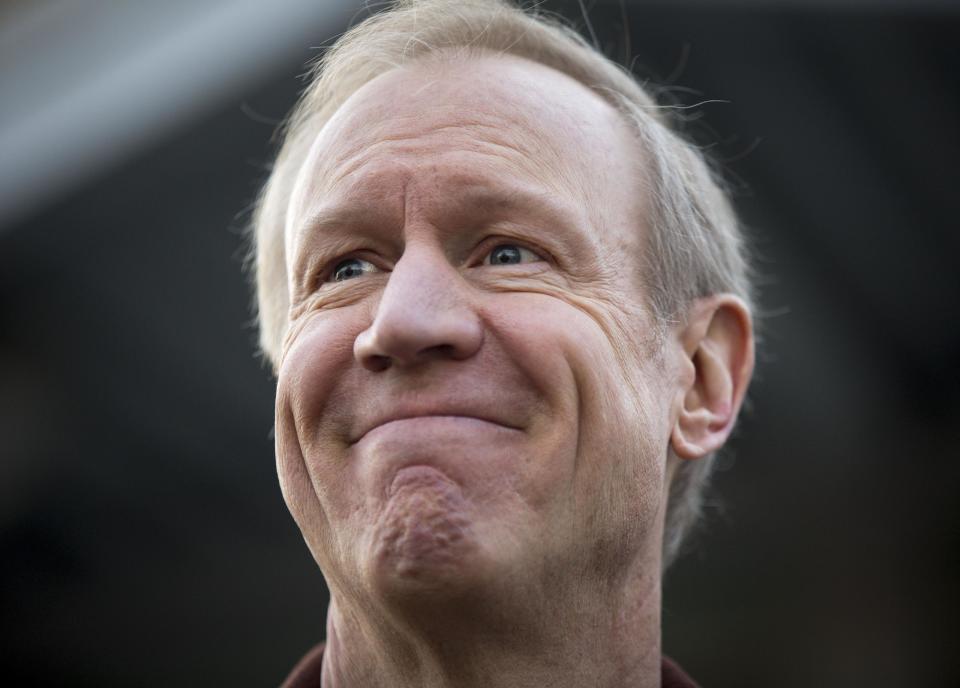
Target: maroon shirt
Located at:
point(307, 672)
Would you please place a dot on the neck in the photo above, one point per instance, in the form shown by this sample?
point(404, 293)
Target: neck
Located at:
point(602, 636)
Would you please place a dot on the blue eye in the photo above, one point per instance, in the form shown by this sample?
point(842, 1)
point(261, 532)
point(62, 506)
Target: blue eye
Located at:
point(350, 268)
point(510, 254)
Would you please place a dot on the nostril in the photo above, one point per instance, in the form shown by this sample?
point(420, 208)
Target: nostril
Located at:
point(403, 334)
point(375, 363)
point(440, 351)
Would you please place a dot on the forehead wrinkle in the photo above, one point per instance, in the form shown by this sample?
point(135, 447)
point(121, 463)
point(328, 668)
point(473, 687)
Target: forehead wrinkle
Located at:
point(511, 133)
point(391, 162)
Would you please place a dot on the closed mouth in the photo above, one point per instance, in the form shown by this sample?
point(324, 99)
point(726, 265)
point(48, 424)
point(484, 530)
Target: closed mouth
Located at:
point(398, 418)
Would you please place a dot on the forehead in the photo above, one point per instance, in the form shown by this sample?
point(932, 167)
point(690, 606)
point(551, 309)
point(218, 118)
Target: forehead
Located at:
point(492, 122)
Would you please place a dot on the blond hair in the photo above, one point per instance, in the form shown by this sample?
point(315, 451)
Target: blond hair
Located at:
point(694, 249)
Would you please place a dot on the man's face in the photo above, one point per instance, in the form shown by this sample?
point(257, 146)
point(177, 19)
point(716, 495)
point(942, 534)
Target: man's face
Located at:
point(472, 389)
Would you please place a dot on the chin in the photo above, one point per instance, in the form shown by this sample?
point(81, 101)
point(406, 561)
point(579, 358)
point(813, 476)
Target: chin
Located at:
point(425, 541)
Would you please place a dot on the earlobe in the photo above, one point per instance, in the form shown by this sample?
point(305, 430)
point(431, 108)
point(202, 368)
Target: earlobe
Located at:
point(717, 344)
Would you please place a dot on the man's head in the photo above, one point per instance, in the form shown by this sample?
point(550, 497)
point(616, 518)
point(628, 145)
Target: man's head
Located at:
point(507, 308)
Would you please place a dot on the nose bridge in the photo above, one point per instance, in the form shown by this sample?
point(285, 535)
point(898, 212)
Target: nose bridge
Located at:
point(423, 313)
point(423, 282)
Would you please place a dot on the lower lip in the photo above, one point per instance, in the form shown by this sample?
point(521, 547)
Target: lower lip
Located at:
point(434, 428)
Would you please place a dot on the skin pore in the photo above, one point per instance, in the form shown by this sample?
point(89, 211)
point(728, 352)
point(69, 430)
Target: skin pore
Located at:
point(475, 407)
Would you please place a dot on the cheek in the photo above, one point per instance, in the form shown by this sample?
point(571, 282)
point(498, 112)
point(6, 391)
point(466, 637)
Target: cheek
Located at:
point(600, 380)
point(309, 452)
point(530, 332)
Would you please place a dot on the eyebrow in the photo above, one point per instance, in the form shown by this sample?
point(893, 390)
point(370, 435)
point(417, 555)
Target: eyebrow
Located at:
point(479, 198)
point(333, 217)
point(485, 203)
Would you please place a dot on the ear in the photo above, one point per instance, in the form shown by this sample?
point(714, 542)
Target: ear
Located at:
point(716, 363)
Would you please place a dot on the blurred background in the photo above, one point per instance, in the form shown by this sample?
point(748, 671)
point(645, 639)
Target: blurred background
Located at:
point(143, 538)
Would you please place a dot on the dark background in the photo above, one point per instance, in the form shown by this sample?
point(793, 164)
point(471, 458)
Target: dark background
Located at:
point(143, 539)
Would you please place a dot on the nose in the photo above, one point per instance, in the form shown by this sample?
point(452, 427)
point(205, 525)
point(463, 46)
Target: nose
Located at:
point(423, 315)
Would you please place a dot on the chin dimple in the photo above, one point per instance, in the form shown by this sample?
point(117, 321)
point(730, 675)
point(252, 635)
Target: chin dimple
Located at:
point(424, 528)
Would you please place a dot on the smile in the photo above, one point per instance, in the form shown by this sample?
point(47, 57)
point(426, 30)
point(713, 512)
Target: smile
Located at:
point(431, 425)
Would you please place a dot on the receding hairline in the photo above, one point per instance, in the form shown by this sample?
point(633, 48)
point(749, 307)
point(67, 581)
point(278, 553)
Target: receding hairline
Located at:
point(311, 132)
point(528, 115)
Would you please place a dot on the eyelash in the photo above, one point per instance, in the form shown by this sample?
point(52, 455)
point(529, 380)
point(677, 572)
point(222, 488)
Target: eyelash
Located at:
point(326, 276)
